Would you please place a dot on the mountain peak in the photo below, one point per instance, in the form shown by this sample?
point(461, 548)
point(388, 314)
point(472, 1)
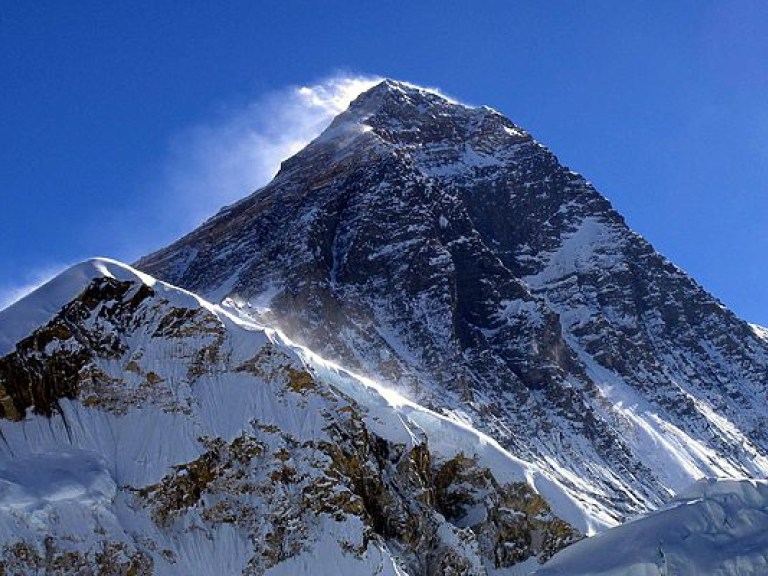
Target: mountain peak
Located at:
point(440, 248)
point(421, 121)
point(398, 99)
point(22, 317)
point(404, 90)
point(441, 251)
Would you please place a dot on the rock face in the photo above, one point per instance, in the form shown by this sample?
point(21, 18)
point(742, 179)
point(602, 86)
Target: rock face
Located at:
point(144, 430)
point(442, 250)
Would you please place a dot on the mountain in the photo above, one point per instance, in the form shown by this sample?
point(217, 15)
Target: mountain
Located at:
point(442, 251)
point(144, 431)
point(426, 347)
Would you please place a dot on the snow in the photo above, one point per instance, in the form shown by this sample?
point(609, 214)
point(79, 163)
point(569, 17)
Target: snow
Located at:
point(513, 131)
point(578, 250)
point(717, 527)
point(79, 459)
point(37, 308)
point(467, 159)
point(512, 310)
point(448, 437)
point(760, 331)
point(32, 482)
point(676, 451)
point(67, 491)
point(676, 457)
point(328, 558)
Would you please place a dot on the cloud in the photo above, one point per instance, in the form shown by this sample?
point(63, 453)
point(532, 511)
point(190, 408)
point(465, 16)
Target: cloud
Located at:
point(32, 280)
point(217, 162)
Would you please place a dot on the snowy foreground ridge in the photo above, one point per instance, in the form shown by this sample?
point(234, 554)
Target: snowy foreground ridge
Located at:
point(162, 463)
point(92, 484)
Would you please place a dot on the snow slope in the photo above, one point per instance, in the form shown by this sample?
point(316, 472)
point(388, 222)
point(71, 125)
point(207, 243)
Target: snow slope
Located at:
point(39, 306)
point(715, 528)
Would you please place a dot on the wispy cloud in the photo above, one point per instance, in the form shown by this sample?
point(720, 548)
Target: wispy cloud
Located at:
point(32, 280)
point(214, 163)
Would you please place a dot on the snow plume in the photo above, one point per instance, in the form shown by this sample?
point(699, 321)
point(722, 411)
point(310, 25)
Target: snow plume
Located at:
point(218, 162)
point(32, 280)
point(211, 164)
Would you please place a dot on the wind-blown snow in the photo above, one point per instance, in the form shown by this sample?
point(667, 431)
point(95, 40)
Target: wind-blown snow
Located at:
point(448, 437)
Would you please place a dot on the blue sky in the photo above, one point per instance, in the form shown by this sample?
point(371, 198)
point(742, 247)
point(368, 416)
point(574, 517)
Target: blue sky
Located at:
point(116, 118)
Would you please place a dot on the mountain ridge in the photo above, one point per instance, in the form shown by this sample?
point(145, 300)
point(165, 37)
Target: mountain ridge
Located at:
point(177, 438)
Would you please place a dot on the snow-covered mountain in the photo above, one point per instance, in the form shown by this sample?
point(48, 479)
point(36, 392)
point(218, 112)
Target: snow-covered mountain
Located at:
point(520, 370)
point(144, 430)
point(439, 249)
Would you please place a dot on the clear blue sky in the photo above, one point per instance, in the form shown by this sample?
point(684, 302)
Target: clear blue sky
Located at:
point(663, 105)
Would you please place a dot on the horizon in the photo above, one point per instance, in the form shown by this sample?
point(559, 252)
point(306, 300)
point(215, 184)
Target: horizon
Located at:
point(112, 159)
